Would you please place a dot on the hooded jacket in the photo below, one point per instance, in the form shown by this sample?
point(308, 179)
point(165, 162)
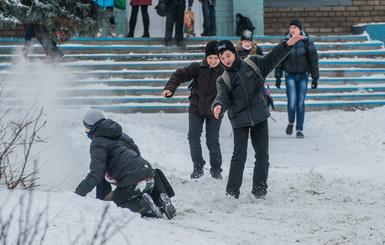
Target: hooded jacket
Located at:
point(246, 104)
point(115, 157)
point(204, 90)
point(299, 61)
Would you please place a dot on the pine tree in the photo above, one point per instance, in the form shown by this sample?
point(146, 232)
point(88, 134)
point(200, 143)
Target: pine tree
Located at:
point(74, 17)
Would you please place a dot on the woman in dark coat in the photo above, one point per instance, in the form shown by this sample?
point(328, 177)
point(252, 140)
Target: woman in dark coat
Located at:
point(203, 93)
point(143, 4)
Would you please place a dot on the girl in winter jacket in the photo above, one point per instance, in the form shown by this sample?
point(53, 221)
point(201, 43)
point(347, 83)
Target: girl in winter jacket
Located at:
point(203, 92)
point(302, 59)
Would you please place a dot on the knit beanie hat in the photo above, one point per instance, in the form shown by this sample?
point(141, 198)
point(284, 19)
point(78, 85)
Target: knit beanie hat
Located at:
point(297, 23)
point(92, 116)
point(224, 45)
point(210, 48)
point(247, 35)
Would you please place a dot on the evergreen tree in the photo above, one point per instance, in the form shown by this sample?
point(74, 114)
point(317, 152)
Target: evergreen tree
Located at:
point(74, 17)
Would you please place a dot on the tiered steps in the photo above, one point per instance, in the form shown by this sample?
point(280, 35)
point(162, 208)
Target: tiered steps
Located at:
point(128, 75)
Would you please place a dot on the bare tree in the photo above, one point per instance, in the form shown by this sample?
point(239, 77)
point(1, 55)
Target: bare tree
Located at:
point(18, 133)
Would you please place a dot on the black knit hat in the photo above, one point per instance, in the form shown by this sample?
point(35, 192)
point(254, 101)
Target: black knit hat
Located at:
point(210, 48)
point(247, 35)
point(297, 23)
point(224, 45)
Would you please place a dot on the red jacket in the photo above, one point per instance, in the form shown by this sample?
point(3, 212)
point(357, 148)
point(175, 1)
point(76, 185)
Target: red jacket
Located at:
point(140, 2)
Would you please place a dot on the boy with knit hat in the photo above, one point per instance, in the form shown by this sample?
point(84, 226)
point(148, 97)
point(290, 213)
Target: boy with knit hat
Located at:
point(302, 60)
point(243, 95)
point(203, 91)
point(115, 159)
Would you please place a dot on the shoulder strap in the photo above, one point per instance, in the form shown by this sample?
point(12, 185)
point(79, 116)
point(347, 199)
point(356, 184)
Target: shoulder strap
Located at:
point(226, 78)
point(256, 69)
point(196, 73)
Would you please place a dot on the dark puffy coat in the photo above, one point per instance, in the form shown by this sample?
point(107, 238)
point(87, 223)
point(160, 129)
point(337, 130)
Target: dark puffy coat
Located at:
point(298, 62)
point(247, 103)
point(140, 2)
point(243, 53)
point(204, 90)
point(114, 153)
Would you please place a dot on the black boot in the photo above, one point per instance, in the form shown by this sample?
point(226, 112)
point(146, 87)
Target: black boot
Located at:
point(146, 34)
point(166, 206)
point(198, 172)
point(289, 129)
point(216, 173)
point(130, 34)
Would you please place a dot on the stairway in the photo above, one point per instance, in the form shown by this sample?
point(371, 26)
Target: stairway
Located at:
point(128, 75)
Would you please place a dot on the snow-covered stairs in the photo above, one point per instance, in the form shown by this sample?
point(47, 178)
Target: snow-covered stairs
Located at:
point(128, 75)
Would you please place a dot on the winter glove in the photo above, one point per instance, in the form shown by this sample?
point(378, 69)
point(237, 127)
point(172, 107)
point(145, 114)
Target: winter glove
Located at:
point(278, 83)
point(314, 84)
point(161, 9)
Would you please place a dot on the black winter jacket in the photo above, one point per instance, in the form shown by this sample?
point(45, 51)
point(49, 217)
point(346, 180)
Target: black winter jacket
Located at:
point(204, 90)
point(247, 103)
point(114, 156)
point(298, 62)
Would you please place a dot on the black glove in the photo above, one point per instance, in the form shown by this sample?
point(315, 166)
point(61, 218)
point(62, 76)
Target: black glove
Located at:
point(278, 83)
point(314, 84)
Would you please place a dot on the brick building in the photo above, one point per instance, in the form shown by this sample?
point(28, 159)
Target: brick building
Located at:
point(272, 17)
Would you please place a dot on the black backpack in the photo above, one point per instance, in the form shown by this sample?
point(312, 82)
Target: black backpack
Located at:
point(243, 23)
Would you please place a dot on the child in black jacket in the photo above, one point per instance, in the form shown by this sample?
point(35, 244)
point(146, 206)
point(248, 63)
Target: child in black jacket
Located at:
point(203, 93)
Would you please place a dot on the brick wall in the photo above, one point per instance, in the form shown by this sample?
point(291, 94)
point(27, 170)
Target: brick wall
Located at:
point(327, 20)
point(227, 9)
point(8, 32)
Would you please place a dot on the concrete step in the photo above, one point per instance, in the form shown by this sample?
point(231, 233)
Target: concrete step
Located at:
point(175, 64)
point(69, 49)
point(191, 40)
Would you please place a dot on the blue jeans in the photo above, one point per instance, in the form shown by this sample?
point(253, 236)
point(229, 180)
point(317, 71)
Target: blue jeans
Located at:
point(296, 88)
point(209, 24)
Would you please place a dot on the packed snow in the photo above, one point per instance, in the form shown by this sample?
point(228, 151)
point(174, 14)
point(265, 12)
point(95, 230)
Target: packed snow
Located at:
point(328, 188)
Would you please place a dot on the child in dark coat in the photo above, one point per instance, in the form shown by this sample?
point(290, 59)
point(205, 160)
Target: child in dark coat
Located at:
point(203, 93)
point(247, 46)
point(115, 158)
point(248, 111)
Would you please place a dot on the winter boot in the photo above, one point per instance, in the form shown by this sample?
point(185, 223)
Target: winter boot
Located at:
point(180, 44)
point(149, 208)
point(216, 173)
point(232, 194)
point(113, 30)
point(205, 33)
point(146, 34)
point(289, 129)
point(167, 207)
point(300, 134)
point(198, 172)
point(260, 191)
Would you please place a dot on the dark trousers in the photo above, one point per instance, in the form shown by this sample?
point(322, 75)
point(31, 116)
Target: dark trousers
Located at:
point(209, 22)
point(130, 196)
point(134, 16)
point(260, 142)
point(212, 140)
point(46, 44)
point(175, 16)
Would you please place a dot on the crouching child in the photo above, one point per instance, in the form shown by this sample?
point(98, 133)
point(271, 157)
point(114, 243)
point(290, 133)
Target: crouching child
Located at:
point(116, 159)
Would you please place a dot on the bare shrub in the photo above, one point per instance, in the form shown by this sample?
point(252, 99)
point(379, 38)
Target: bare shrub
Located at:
point(18, 133)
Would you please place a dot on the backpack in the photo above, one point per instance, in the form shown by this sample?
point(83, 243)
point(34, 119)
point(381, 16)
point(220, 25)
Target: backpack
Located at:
point(243, 23)
point(269, 99)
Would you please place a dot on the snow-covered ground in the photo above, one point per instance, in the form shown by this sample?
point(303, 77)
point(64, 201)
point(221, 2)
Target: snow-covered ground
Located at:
point(328, 188)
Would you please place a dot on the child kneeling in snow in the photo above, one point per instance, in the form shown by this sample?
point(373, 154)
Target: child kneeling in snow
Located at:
point(116, 159)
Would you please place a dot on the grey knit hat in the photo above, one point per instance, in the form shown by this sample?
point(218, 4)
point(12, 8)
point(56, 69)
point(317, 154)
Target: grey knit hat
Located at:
point(92, 117)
